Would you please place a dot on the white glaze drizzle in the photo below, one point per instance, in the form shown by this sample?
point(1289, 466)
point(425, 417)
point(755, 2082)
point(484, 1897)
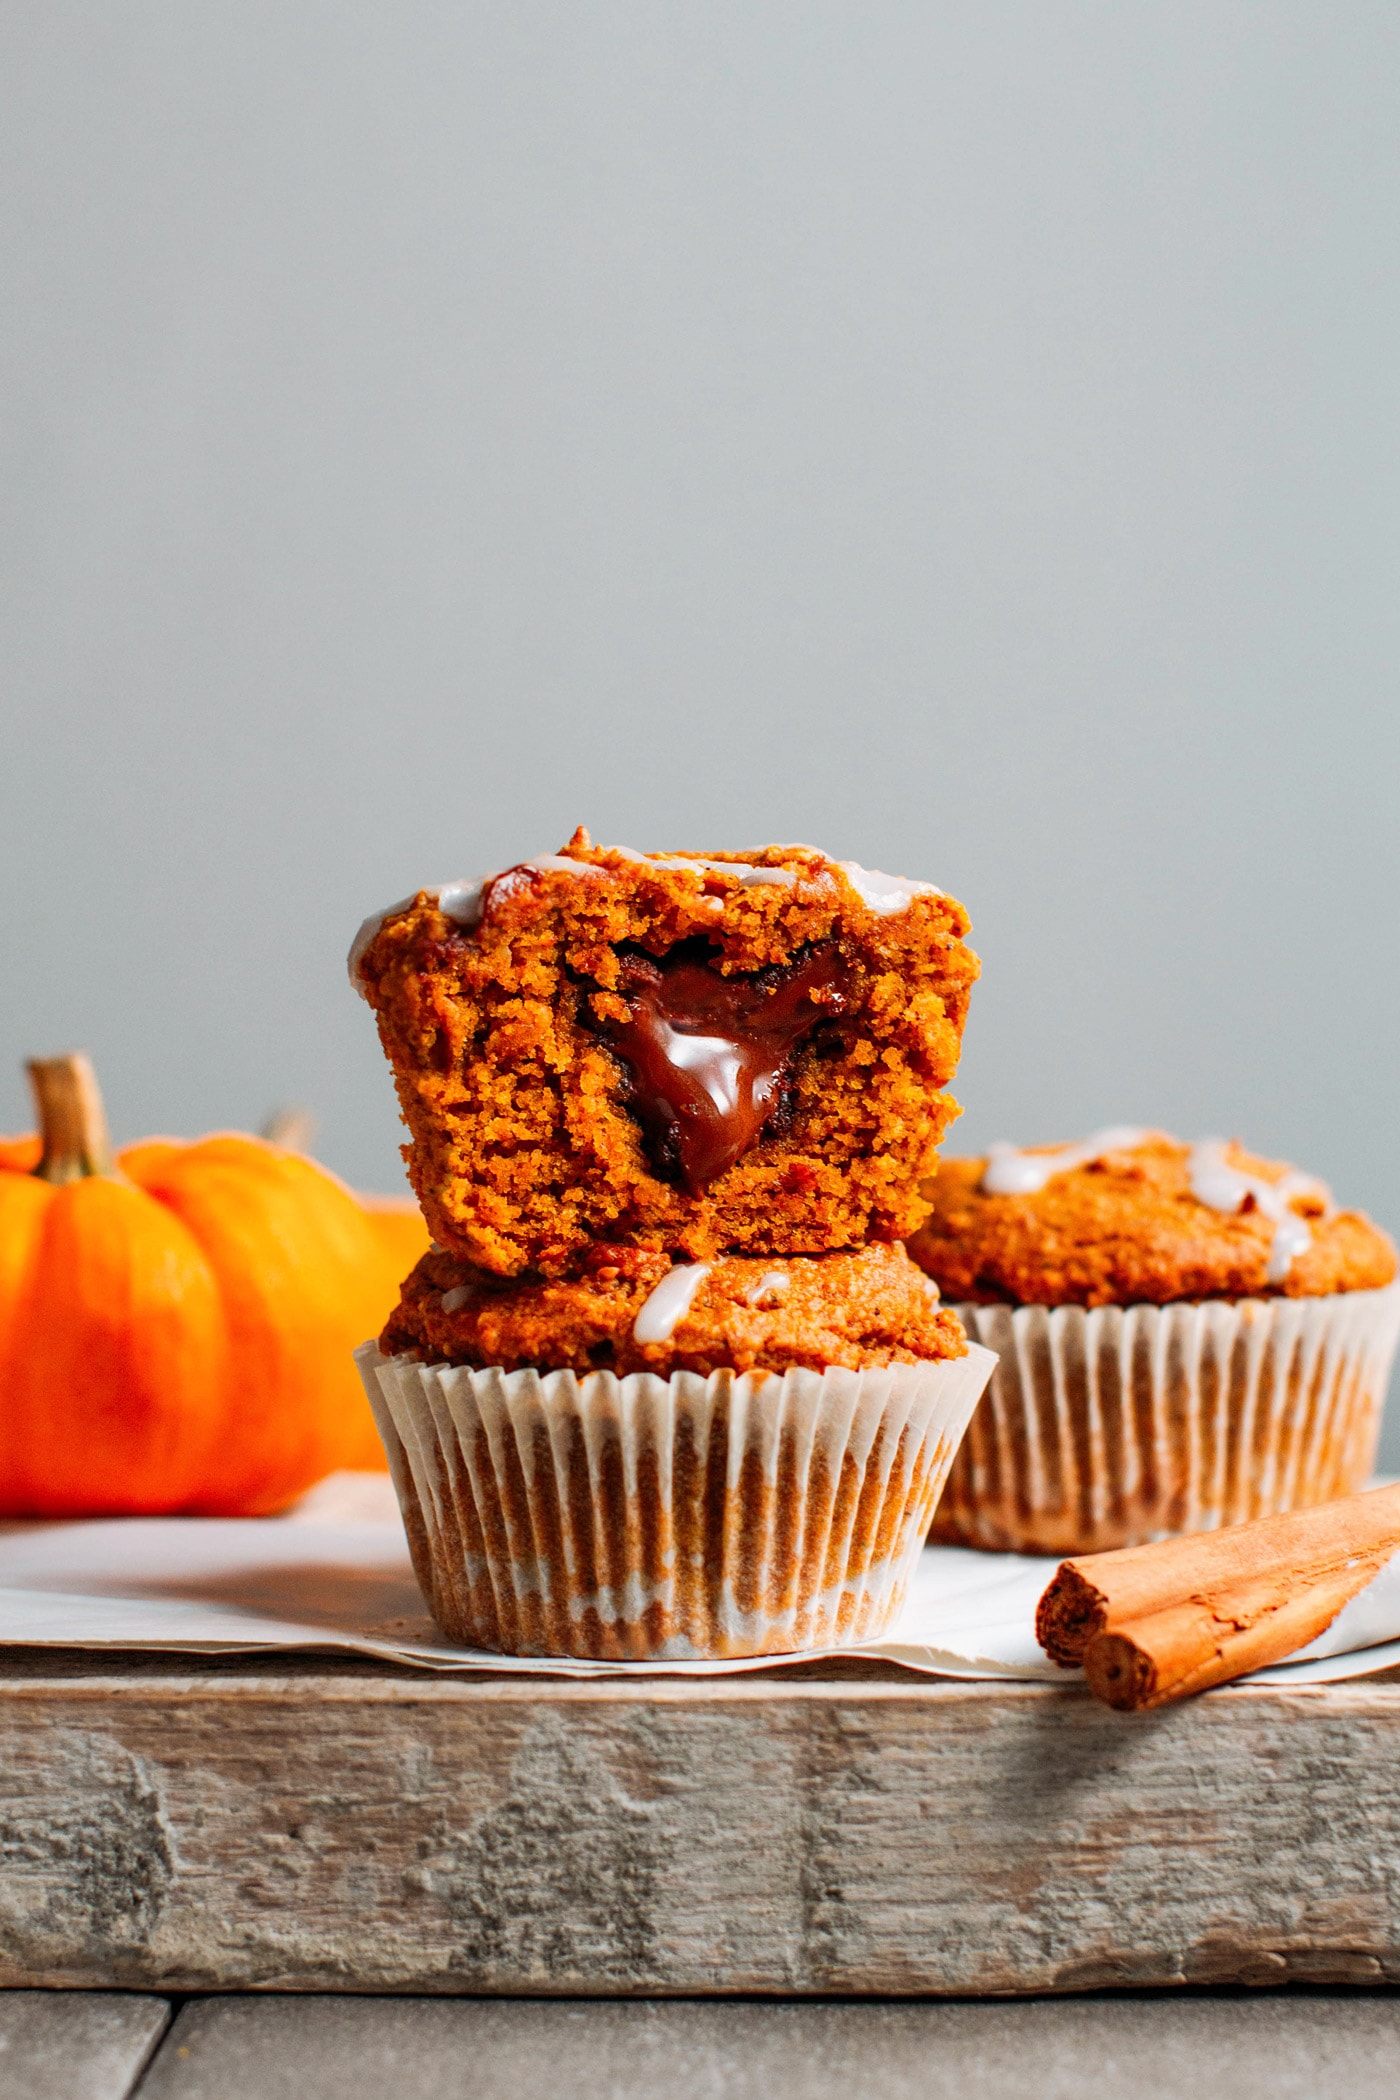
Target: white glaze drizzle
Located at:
point(462, 902)
point(882, 894)
point(368, 929)
point(746, 873)
point(885, 894)
point(455, 1299)
point(1011, 1172)
point(775, 1284)
point(562, 863)
point(1214, 1182)
point(1225, 1188)
point(662, 1312)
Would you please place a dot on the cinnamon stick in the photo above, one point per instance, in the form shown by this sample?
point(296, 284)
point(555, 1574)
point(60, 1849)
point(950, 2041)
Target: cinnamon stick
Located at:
point(1154, 1623)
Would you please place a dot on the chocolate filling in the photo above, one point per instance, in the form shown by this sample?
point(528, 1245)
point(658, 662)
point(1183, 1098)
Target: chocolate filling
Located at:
point(709, 1055)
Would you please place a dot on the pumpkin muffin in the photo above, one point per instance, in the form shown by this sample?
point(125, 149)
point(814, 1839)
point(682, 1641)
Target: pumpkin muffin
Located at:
point(632, 1310)
point(1189, 1336)
point(684, 1053)
point(1142, 1219)
point(665, 1386)
point(753, 1473)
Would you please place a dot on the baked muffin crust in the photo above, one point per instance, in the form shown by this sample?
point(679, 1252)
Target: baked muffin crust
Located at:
point(548, 1031)
point(861, 1310)
point(1128, 1225)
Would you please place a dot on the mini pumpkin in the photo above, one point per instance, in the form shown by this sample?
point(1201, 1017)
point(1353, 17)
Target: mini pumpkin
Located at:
point(176, 1322)
point(399, 1227)
point(397, 1219)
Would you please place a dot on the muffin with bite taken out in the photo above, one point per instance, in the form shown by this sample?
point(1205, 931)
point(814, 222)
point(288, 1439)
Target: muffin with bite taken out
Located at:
point(667, 1385)
point(696, 1054)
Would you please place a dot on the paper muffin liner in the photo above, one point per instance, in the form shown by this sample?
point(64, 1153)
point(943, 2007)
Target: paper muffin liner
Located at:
point(649, 1518)
point(1122, 1424)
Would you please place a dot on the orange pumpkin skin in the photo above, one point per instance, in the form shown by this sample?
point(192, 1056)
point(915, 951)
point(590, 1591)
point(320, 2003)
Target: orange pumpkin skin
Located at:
point(178, 1337)
point(116, 1334)
point(402, 1230)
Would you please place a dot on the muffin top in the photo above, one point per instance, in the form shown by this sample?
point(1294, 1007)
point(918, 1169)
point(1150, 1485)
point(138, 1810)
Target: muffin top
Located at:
point(1135, 1217)
point(692, 1054)
point(633, 1310)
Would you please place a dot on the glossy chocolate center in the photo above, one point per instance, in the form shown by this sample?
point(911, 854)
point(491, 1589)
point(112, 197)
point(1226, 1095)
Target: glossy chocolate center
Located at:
point(709, 1055)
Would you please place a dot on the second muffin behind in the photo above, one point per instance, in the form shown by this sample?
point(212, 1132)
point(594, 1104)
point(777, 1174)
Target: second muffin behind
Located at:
point(1188, 1336)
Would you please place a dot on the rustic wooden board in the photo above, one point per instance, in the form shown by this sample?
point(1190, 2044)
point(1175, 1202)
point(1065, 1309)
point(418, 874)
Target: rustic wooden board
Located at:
point(349, 1827)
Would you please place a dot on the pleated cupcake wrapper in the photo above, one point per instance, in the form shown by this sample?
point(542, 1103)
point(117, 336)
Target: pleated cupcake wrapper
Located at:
point(651, 1518)
point(1122, 1424)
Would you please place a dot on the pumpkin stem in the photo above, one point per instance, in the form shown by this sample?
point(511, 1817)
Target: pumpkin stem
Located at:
point(72, 1120)
point(292, 1128)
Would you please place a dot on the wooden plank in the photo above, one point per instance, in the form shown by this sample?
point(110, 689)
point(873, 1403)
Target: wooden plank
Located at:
point(351, 1827)
point(65, 2045)
point(1158, 2048)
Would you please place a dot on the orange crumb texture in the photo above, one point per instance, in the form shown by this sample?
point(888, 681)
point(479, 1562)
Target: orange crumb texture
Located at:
point(862, 1310)
point(1127, 1229)
point(523, 1148)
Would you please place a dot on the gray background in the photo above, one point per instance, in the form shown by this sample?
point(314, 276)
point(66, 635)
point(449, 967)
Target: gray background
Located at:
point(964, 436)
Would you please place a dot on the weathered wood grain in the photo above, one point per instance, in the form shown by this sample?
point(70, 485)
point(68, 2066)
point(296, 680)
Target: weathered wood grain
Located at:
point(324, 1827)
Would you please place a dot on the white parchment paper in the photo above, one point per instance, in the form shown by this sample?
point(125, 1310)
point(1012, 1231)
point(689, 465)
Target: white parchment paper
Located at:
point(335, 1575)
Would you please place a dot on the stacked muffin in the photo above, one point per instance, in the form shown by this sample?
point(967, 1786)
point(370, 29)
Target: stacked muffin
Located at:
point(1189, 1336)
point(668, 1385)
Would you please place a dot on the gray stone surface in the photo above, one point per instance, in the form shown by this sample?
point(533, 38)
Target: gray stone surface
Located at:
point(75, 2045)
point(1287, 2047)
